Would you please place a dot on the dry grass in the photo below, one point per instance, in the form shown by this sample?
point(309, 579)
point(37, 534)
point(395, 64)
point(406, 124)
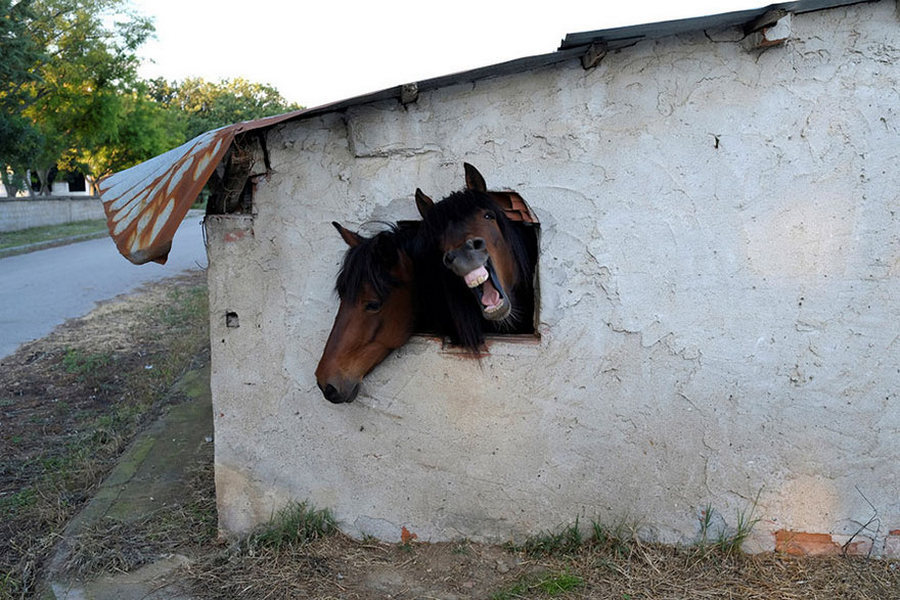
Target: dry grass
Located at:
point(620, 568)
point(115, 546)
point(71, 402)
point(76, 408)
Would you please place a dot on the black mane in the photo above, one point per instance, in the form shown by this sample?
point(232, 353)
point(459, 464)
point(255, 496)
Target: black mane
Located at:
point(371, 261)
point(449, 303)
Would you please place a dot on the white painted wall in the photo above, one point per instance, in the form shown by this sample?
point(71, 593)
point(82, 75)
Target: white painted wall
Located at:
point(720, 306)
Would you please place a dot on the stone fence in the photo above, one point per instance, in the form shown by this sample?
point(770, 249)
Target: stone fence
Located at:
point(35, 211)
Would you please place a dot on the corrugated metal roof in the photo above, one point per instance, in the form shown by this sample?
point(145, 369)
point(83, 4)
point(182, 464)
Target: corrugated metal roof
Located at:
point(145, 204)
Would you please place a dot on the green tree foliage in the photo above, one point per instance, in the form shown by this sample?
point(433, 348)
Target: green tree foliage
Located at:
point(20, 141)
point(67, 68)
point(76, 100)
point(142, 129)
point(70, 96)
point(207, 105)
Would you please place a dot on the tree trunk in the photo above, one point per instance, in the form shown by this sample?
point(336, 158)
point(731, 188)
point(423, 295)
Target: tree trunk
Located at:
point(44, 176)
point(8, 185)
point(92, 184)
point(12, 183)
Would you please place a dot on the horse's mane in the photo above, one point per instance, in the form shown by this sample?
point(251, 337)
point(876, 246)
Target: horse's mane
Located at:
point(372, 259)
point(446, 298)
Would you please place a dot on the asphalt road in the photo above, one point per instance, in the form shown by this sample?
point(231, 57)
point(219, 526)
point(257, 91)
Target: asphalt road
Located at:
point(43, 289)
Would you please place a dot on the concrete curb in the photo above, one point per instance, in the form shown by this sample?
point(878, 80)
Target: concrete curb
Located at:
point(150, 474)
point(34, 247)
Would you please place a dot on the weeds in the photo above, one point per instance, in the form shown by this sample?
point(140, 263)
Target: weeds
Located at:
point(552, 584)
point(570, 540)
point(12, 504)
point(60, 446)
point(613, 541)
point(727, 541)
point(296, 523)
point(566, 541)
point(88, 368)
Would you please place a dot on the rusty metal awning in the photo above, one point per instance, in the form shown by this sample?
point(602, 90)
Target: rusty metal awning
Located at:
point(145, 204)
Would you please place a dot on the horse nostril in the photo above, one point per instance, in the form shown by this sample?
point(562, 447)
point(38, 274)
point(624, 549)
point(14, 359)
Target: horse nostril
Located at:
point(475, 243)
point(331, 394)
point(448, 258)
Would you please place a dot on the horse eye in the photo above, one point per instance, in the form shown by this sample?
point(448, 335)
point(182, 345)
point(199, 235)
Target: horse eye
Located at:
point(489, 216)
point(373, 306)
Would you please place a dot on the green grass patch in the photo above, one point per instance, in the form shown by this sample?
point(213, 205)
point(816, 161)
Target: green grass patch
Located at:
point(49, 233)
point(85, 365)
point(567, 540)
point(296, 524)
point(550, 584)
point(11, 504)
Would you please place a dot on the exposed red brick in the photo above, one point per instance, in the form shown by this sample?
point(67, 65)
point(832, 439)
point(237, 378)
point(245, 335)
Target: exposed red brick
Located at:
point(892, 544)
point(800, 543)
point(514, 206)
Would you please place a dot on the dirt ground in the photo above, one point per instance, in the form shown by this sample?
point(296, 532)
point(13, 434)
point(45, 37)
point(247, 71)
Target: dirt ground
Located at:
point(71, 403)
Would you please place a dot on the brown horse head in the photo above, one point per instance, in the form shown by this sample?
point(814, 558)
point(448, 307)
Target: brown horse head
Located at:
point(376, 313)
point(477, 244)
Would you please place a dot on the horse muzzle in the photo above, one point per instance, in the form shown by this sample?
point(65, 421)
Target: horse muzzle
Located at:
point(472, 263)
point(341, 393)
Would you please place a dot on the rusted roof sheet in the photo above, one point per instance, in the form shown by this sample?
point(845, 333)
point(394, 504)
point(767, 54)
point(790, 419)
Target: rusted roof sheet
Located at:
point(145, 204)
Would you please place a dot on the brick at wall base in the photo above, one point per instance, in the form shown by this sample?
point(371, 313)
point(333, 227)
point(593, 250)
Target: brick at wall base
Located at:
point(892, 544)
point(800, 543)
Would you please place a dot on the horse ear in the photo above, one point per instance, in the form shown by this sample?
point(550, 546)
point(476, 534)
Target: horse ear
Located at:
point(351, 237)
point(474, 180)
point(423, 203)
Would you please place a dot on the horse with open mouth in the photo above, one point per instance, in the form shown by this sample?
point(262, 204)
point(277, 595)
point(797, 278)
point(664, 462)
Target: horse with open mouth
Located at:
point(478, 261)
point(377, 311)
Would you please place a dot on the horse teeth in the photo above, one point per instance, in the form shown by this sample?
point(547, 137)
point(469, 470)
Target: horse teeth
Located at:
point(478, 280)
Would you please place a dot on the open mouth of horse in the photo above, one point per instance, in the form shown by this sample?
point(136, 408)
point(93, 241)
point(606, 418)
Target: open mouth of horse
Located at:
point(484, 283)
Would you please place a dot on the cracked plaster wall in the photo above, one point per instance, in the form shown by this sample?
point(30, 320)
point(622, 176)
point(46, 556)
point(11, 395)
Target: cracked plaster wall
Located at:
point(719, 262)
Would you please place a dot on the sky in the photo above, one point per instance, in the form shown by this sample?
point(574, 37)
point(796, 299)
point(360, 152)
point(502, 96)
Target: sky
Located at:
point(329, 50)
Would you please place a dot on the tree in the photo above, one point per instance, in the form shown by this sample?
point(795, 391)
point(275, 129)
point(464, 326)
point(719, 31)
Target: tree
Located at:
point(74, 91)
point(144, 129)
point(19, 139)
point(20, 144)
point(207, 105)
point(70, 97)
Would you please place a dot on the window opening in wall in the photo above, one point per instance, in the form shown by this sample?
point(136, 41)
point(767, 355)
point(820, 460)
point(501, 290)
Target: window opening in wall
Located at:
point(520, 214)
point(522, 218)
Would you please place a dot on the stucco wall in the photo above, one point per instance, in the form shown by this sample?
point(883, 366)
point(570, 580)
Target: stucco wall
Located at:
point(719, 262)
point(39, 211)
